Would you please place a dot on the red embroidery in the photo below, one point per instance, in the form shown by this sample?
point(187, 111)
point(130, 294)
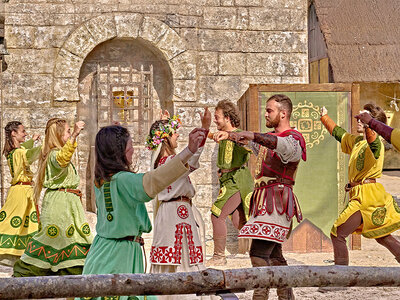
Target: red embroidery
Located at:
point(169, 188)
point(182, 212)
point(265, 231)
point(173, 255)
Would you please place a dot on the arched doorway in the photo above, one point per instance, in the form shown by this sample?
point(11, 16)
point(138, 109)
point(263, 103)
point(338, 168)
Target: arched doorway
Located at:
point(124, 80)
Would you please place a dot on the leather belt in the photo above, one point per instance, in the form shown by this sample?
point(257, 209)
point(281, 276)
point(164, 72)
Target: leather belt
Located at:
point(223, 171)
point(350, 185)
point(24, 183)
point(181, 199)
point(72, 191)
point(134, 238)
point(262, 184)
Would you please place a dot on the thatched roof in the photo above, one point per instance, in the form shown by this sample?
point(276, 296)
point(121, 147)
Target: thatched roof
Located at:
point(362, 37)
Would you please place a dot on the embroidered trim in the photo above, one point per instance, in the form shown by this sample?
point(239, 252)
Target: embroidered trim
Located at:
point(228, 152)
point(108, 201)
point(70, 230)
point(3, 215)
point(215, 210)
point(54, 256)
point(396, 206)
point(173, 255)
point(374, 234)
point(17, 242)
point(85, 229)
point(265, 231)
point(378, 216)
point(52, 231)
point(361, 158)
point(16, 221)
point(222, 192)
point(11, 161)
point(182, 212)
point(33, 217)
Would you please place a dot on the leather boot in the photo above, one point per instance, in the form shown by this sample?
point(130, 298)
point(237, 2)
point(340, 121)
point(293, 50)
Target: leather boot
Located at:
point(218, 258)
point(262, 293)
point(283, 293)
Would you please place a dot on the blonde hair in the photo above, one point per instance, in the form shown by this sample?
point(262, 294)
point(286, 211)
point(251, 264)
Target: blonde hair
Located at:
point(53, 140)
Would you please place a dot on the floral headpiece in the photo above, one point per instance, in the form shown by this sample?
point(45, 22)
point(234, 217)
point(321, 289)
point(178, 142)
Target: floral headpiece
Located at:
point(158, 135)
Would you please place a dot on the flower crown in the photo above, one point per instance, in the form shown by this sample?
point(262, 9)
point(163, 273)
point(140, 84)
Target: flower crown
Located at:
point(157, 136)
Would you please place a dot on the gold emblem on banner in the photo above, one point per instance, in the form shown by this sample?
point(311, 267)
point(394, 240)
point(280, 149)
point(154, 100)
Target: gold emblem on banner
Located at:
point(306, 118)
point(122, 102)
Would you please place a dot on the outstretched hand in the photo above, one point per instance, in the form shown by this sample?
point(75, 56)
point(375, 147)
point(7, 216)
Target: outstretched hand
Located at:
point(364, 117)
point(78, 128)
point(164, 115)
point(36, 137)
point(323, 111)
point(242, 137)
point(196, 136)
point(206, 119)
point(220, 135)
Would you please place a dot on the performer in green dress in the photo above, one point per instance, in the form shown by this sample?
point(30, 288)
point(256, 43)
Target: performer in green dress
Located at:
point(62, 243)
point(236, 182)
point(120, 199)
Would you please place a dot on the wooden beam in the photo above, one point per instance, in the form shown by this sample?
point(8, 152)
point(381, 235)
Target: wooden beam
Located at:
point(209, 281)
point(324, 87)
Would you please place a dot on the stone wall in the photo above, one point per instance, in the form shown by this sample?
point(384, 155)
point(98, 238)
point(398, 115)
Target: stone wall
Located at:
point(214, 49)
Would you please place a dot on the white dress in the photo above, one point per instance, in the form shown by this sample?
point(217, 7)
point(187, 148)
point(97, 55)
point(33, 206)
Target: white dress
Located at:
point(178, 230)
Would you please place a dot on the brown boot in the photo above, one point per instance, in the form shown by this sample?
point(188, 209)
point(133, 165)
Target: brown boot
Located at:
point(283, 293)
point(262, 293)
point(218, 258)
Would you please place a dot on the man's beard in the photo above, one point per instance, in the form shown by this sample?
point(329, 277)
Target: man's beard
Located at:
point(273, 123)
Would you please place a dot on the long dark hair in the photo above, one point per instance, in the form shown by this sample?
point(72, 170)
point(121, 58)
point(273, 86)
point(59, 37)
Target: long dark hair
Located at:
point(8, 141)
point(166, 147)
point(110, 147)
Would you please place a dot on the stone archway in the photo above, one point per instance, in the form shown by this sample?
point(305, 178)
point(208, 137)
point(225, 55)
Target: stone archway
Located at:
point(132, 25)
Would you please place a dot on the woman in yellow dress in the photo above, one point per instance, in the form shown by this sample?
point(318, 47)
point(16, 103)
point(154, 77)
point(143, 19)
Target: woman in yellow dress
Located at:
point(371, 211)
point(18, 216)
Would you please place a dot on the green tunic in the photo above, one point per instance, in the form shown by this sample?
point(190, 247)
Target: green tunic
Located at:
point(233, 156)
point(121, 212)
point(62, 243)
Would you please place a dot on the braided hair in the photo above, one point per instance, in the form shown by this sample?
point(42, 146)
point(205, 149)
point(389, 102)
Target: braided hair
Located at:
point(110, 147)
point(9, 143)
point(166, 147)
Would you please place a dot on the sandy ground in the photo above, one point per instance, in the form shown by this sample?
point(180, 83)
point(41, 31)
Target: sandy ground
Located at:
point(372, 254)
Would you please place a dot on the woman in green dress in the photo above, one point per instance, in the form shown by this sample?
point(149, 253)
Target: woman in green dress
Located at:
point(120, 198)
point(62, 243)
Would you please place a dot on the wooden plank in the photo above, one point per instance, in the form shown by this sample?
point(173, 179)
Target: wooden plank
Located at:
point(320, 87)
point(355, 106)
point(253, 120)
point(314, 72)
point(324, 70)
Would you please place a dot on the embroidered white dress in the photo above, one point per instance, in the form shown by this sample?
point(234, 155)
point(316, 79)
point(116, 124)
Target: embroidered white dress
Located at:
point(178, 230)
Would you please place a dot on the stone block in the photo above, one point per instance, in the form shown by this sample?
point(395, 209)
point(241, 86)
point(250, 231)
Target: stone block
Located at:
point(190, 35)
point(80, 42)
point(19, 36)
point(61, 19)
point(183, 66)
point(171, 44)
point(203, 175)
point(51, 36)
point(232, 63)
point(215, 88)
point(66, 89)
point(190, 116)
point(40, 117)
point(275, 41)
point(293, 79)
point(128, 25)
point(227, 2)
point(269, 19)
point(67, 64)
point(248, 3)
point(152, 30)
point(271, 64)
point(208, 63)
point(296, 4)
point(298, 19)
point(31, 90)
point(220, 18)
point(22, 114)
point(221, 40)
point(18, 19)
point(102, 28)
point(242, 18)
point(205, 196)
point(185, 90)
point(31, 60)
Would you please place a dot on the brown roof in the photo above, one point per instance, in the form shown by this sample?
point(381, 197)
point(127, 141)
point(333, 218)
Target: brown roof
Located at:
point(362, 37)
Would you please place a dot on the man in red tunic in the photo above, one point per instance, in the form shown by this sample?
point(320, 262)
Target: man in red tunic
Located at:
point(273, 203)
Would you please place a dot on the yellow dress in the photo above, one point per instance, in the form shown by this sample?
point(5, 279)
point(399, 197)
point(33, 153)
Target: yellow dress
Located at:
point(18, 218)
point(380, 213)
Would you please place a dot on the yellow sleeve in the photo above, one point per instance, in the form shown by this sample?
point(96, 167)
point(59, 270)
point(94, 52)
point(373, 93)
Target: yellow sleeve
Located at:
point(19, 163)
point(65, 154)
point(395, 138)
point(157, 180)
point(348, 142)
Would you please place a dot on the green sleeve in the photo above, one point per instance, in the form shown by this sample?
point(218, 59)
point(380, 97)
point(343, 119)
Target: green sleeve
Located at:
point(338, 133)
point(33, 154)
point(375, 147)
point(28, 144)
point(130, 186)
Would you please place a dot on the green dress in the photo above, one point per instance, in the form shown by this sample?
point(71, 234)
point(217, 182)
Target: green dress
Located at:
point(121, 212)
point(63, 241)
point(233, 156)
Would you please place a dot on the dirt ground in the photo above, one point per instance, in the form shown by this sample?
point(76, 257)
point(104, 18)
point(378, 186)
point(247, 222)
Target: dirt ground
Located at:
point(371, 254)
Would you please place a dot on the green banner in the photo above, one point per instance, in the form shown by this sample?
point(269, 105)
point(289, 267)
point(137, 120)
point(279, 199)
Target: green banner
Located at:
point(321, 179)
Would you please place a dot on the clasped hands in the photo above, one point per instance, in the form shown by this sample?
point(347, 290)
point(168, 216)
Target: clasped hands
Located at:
point(242, 137)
